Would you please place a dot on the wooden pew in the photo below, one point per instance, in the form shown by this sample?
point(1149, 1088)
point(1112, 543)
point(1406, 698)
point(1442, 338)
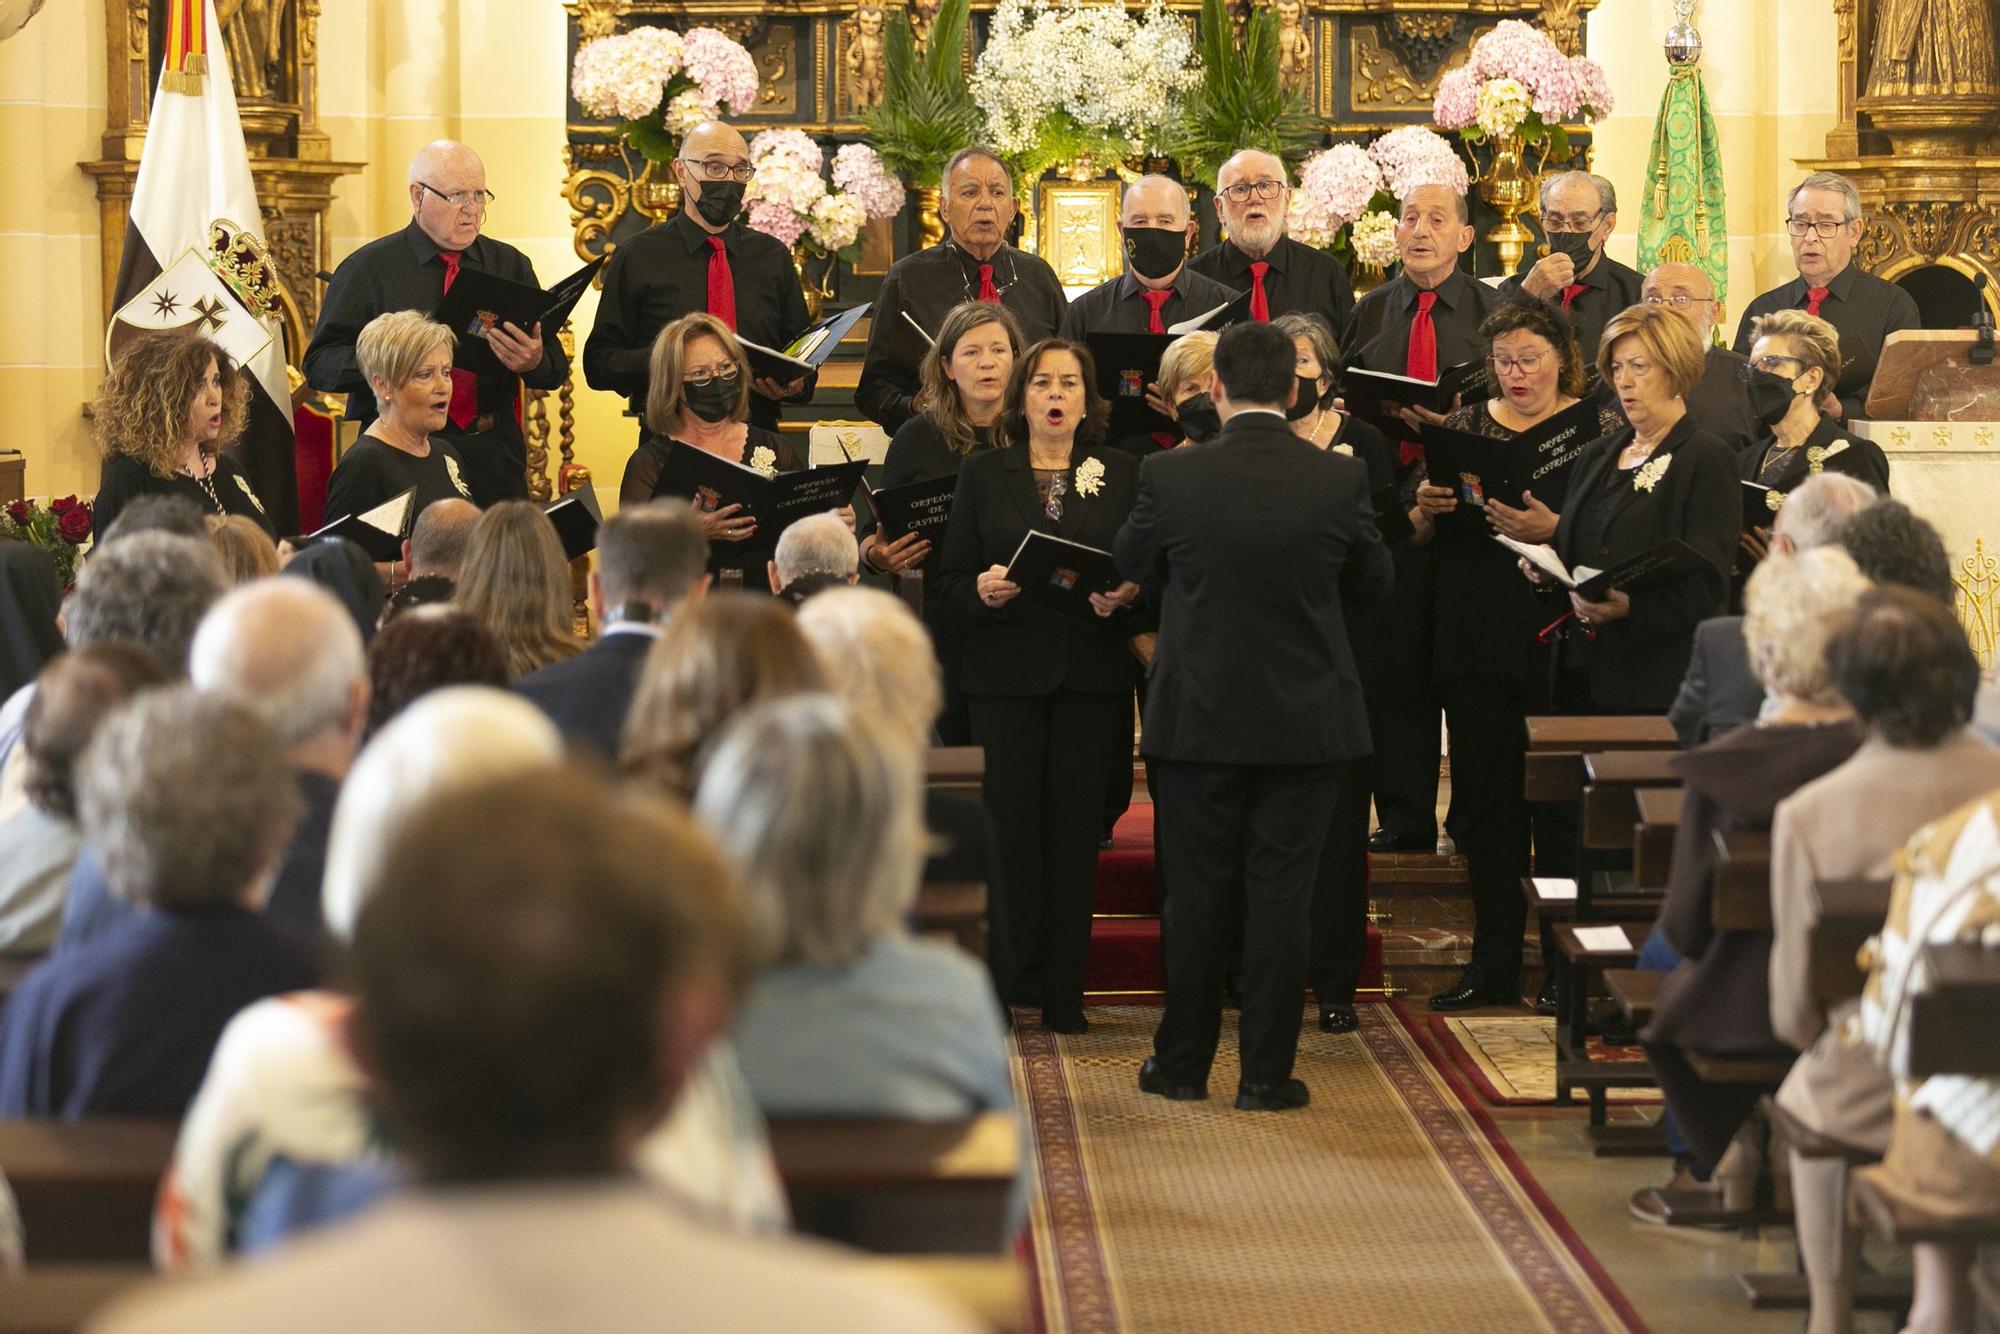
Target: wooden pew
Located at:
point(1574, 1067)
point(960, 769)
point(994, 1290)
point(58, 1299)
point(1557, 744)
point(86, 1188)
point(1607, 821)
point(900, 1186)
point(955, 910)
point(1951, 1028)
point(1742, 896)
point(1653, 835)
point(1636, 991)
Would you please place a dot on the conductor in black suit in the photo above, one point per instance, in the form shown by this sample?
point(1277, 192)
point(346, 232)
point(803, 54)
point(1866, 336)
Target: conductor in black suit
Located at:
point(651, 561)
point(1250, 543)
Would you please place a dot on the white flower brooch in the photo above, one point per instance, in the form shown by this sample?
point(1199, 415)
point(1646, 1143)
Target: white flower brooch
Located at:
point(1649, 476)
point(1090, 477)
point(764, 461)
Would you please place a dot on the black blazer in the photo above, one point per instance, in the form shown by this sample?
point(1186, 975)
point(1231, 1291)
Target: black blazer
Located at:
point(1846, 452)
point(1637, 662)
point(1254, 541)
point(588, 694)
point(1018, 650)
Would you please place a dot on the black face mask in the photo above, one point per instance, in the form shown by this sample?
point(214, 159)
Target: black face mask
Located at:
point(1770, 395)
point(719, 202)
point(1154, 252)
point(1574, 244)
point(1198, 418)
point(712, 401)
point(1306, 401)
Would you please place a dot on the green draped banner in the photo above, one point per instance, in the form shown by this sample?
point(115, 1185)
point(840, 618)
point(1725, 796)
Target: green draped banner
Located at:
point(1682, 219)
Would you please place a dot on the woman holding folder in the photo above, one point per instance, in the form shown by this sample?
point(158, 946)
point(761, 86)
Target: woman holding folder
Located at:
point(1049, 692)
point(1489, 666)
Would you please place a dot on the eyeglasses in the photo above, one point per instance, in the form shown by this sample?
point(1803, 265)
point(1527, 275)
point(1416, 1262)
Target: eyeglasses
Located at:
point(1527, 365)
point(1823, 229)
point(475, 200)
point(1679, 300)
point(1241, 191)
point(1769, 363)
point(716, 169)
point(1571, 222)
point(701, 375)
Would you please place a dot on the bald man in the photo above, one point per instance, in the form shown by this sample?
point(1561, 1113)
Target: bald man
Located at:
point(410, 270)
point(1721, 401)
point(703, 259)
point(1157, 289)
point(1252, 195)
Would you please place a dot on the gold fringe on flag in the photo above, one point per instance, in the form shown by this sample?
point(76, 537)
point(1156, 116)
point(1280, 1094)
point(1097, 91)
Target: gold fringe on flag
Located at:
point(187, 47)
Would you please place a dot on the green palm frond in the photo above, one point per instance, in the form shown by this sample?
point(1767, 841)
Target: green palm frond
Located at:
point(926, 113)
point(1239, 102)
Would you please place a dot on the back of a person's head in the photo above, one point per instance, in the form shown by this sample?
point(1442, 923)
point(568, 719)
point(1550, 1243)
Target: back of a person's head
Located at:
point(426, 649)
point(1816, 508)
point(1902, 660)
point(819, 544)
point(515, 579)
point(439, 536)
point(156, 514)
point(288, 651)
point(1791, 607)
point(824, 817)
point(247, 551)
point(150, 589)
point(653, 553)
point(449, 740)
point(715, 659)
point(344, 571)
point(73, 695)
point(185, 800)
point(1892, 545)
point(529, 1005)
point(1255, 364)
point(878, 657)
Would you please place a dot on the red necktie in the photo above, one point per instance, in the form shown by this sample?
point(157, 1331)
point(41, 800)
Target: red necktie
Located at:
point(1572, 292)
point(987, 291)
point(1154, 300)
point(464, 405)
point(1260, 305)
point(1815, 295)
point(721, 284)
point(1421, 362)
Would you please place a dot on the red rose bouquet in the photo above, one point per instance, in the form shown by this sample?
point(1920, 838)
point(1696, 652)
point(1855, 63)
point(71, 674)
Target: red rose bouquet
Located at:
point(61, 528)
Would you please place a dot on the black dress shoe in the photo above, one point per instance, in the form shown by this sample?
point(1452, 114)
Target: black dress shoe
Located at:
point(1065, 1021)
point(1545, 999)
point(1338, 1019)
point(1383, 840)
point(1469, 993)
point(1154, 1080)
point(1283, 1096)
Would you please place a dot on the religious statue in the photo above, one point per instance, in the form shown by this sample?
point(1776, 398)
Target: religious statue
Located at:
point(253, 33)
point(1934, 48)
point(1295, 48)
point(922, 14)
point(863, 60)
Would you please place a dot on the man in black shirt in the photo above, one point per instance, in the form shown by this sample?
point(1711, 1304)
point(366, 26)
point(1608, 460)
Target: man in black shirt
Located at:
point(409, 270)
point(1579, 213)
point(1720, 402)
point(1157, 288)
point(701, 259)
point(1251, 198)
point(1823, 216)
point(973, 263)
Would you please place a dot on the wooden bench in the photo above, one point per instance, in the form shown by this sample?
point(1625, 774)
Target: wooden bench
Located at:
point(1742, 895)
point(1574, 1066)
point(1635, 990)
point(1846, 914)
point(900, 1186)
point(86, 1188)
point(1908, 1224)
point(960, 769)
point(58, 1299)
point(1659, 811)
point(1951, 1028)
point(1557, 744)
point(956, 910)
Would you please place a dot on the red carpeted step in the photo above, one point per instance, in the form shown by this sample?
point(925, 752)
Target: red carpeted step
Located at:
point(1125, 880)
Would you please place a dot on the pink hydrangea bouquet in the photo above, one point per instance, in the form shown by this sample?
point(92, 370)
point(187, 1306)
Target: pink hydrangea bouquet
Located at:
point(790, 200)
point(1517, 81)
point(1336, 186)
point(1415, 156)
point(661, 83)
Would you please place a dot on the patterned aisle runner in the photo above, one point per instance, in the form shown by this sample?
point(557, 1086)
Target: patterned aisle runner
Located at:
point(1391, 1204)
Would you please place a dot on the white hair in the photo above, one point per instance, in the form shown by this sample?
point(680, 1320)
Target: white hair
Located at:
point(1791, 608)
point(1828, 180)
point(820, 544)
point(452, 738)
point(877, 656)
point(1815, 509)
point(286, 650)
point(1607, 193)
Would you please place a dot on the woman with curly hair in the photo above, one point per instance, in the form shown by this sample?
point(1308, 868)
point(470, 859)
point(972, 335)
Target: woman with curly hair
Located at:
point(515, 581)
point(163, 417)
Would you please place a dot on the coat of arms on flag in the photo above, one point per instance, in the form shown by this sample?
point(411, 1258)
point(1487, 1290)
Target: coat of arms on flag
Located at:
point(225, 291)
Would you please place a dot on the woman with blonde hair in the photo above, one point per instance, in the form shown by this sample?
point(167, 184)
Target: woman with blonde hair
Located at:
point(514, 580)
point(406, 358)
point(164, 417)
point(247, 551)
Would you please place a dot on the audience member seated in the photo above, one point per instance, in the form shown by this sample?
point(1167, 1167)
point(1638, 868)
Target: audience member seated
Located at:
point(186, 803)
point(432, 647)
point(1903, 662)
point(651, 561)
point(288, 653)
point(815, 553)
point(717, 658)
point(431, 555)
point(30, 601)
point(343, 569)
point(1717, 998)
point(529, 1005)
point(281, 1137)
point(152, 514)
point(1720, 692)
point(852, 1017)
point(515, 580)
point(247, 551)
point(39, 846)
point(1892, 545)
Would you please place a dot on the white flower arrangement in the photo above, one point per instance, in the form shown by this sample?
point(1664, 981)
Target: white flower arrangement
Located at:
point(1516, 80)
point(1090, 476)
point(662, 84)
point(788, 199)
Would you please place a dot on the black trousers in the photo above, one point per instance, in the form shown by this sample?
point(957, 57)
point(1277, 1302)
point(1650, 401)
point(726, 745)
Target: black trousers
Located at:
point(1340, 892)
point(1048, 761)
point(1118, 790)
point(1265, 826)
point(954, 721)
point(1403, 703)
point(1489, 818)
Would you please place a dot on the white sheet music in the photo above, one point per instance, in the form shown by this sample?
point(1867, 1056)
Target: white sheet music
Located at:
point(1599, 938)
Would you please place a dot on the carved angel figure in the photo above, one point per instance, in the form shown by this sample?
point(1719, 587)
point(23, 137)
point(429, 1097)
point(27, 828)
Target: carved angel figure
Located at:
point(864, 57)
point(1934, 48)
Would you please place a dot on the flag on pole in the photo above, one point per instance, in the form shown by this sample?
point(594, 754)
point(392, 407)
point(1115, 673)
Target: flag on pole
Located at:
point(194, 248)
point(1682, 218)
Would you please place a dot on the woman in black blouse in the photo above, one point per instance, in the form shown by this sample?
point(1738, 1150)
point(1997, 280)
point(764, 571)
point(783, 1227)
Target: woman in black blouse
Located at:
point(963, 381)
point(1050, 695)
point(163, 417)
point(1489, 665)
point(406, 358)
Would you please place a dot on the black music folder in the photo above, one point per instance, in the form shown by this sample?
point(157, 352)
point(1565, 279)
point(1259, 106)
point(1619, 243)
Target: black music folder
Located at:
point(914, 507)
point(379, 532)
point(1662, 564)
point(1126, 364)
point(1058, 575)
point(776, 502)
point(577, 518)
point(806, 353)
point(1482, 468)
point(478, 301)
point(1374, 396)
